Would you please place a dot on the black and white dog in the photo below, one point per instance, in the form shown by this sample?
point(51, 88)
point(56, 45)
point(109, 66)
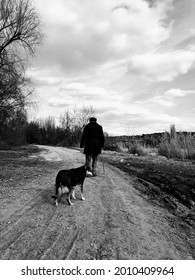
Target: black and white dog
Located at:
point(69, 179)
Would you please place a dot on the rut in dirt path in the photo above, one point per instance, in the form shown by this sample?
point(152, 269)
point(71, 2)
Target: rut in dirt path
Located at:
point(114, 222)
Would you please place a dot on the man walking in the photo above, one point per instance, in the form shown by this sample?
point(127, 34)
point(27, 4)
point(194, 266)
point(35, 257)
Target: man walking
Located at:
point(93, 141)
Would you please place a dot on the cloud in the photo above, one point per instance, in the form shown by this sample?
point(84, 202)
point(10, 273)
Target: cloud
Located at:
point(177, 92)
point(167, 100)
point(161, 102)
point(131, 60)
point(58, 102)
point(79, 94)
point(162, 66)
point(183, 25)
point(83, 35)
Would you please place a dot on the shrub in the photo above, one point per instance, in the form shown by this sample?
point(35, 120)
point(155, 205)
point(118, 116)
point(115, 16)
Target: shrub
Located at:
point(4, 145)
point(138, 149)
point(12, 130)
point(189, 147)
point(177, 145)
point(164, 149)
point(175, 150)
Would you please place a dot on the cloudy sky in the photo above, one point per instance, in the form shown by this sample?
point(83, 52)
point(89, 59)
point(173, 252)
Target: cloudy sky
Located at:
point(132, 61)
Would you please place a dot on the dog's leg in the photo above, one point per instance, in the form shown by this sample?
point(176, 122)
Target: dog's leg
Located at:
point(73, 194)
point(59, 193)
point(56, 202)
point(69, 196)
point(82, 197)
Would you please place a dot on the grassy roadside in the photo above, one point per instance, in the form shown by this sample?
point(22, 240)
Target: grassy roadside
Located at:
point(168, 182)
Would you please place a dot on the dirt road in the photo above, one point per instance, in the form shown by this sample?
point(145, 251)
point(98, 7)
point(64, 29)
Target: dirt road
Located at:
point(114, 221)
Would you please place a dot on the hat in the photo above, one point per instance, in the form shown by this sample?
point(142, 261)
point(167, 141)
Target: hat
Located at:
point(92, 119)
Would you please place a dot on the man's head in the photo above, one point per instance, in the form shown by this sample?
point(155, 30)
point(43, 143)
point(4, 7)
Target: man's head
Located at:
point(92, 119)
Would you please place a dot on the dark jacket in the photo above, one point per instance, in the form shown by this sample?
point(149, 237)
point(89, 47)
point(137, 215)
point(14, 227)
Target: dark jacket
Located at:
point(92, 139)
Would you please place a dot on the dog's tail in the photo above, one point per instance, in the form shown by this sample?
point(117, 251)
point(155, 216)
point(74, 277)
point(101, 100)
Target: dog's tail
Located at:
point(56, 189)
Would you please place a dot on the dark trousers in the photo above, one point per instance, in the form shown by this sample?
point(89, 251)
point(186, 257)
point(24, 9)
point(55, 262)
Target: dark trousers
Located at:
point(91, 162)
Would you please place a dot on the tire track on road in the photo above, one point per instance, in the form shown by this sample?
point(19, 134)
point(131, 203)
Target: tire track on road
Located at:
point(71, 245)
point(8, 247)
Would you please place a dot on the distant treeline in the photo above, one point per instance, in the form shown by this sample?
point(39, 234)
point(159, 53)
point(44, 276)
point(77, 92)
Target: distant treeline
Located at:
point(45, 132)
point(17, 130)
point(147, 140)
point(171, 144)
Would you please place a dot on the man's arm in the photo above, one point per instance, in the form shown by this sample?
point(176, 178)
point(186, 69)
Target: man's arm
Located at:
point(82, 143)
point(102, 138)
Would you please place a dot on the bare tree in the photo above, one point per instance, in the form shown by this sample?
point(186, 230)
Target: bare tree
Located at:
point(73, 121)
point(20, 34)
point(76, 118)
point(66, 120)
point(14, 90)
point(19, 25)
point(85, 114)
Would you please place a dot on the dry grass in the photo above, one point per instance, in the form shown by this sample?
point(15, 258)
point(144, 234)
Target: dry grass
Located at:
point(137, 149)
point(177, 145)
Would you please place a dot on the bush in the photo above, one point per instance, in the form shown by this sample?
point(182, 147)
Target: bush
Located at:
point(189, 147)
point(164, 149)
point(12, 130)
point(4, 145)
point(138, 149)
point(171, 150)
point(177, 145)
